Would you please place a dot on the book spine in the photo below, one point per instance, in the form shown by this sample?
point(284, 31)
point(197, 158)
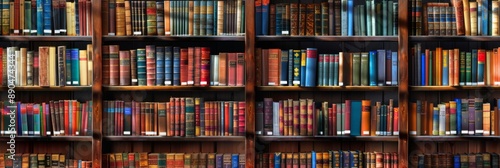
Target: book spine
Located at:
point(141, 66)
point(120, 20)
point(114, 65)
point(125, 68)
point(160, 66)
point(372, 61)
point(151, 18)
point(150, 65)
point(168, 66)
point(160, 21)
point(311, 62)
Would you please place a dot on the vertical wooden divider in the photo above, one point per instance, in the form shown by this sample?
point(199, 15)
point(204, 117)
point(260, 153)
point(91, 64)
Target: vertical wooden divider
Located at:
point(97, 85)
point(250, 82)
point(403, 82)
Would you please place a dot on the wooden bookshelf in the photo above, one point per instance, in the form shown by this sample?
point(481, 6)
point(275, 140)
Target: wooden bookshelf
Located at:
point(47, 38)
point(49, 138)
point(329, 38)
point(329, 138)
point(454, 38)
point(173, 88)
point(326, 88)
point(55, 88)
point(173, 38)
point(452, 88)
point(454, 138)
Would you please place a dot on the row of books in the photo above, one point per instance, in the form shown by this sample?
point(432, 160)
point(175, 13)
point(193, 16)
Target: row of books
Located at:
point(171, 66)
point(181, 116)
point(49, 66)
point(172, 17)
point(336, 17)
point(116, 160)
point(457, 117)
point(35, 160)
point(461, 17)
point(454, 67)
point(302, 118)
point(47, 17)
point(305, 67)
point(329, 159)
point(455, 160)
point(53, 118)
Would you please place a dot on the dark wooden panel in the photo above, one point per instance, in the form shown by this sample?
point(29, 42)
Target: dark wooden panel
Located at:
point(403, 34)
point(97, 84)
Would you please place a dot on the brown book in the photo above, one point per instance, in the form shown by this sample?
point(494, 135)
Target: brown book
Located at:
point(166, 18)
point(43, 66)
point(303, 117)
point(125, 68)
point(272, 19)
point(182, 118)
point(223, 69)
point(133, 68)
point(273, 69)
point(413, 119)
point(198, 66)
point(151, 17)
point(190, 66)
point(264, 67)
point(231, 69)
point(310, 116)
point(309, 19)
point(302, 19)
point(120, 17)
point(294, 19)
point(128, 19)
point(258, 67)
point(184, 66)
point(105, 65)
point(114, 63)
point(112, 18)
point(150, 65)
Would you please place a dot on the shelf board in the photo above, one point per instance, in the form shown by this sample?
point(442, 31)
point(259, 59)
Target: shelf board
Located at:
point(176, 139)
point(327, 88)
point(49, 138)
point(452, 88)
point(47, 38)
point(453, 138)
point(54, 88)
point(328, 38)
point(329, 138)
point(173, 88)
point(454, 38)
point(172, 38)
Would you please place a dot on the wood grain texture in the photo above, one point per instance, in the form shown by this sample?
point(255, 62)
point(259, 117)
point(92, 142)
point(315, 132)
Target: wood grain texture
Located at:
point(250, 82)
point(326, 88)
point(328, 38)
point(97, 85)
point(403, 22)
point(172, 88)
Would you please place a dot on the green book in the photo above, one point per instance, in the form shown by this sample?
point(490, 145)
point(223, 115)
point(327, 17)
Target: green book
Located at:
point(321, 69)
point(37, 118)
point(27, 18)
point(356, 69)
point(364, 69)
point(462, 69)
point(189, 116)
point(468, 68)
point(431, 65)
point(162, 160)
point(296, 67)
point(453, 118)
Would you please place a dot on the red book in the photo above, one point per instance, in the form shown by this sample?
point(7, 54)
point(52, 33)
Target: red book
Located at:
point(241, 118)
point(218, 119)
point(168, 120)
point(333, 130)
point(105, 65)
point(1, 66)
point(240, 69)
point(197, 108)
point(151, 65)
point(114, 62)
point(231, 69)
point(197, 66)
point(136, 118)
point(184, 66)
point(190, 66)
point(273, 68)
point(43, 66)
point(125, 68)
point(17, 17)
point(396, 121)
point(182, 117)
point(83, 125)
point(235, 119)
point(170, 116)
point(226, 119)
point(65, 104)
point(205, 66)
point(208, 117)
point(76, 108)
point(330, 122)
point(310, 116)
point(302, 117)
point(290, 117)
point(177, 117)
point(347, 117)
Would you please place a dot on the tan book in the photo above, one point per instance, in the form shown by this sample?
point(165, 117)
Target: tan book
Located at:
point(24, 61)
point(166, 16)
point(220, 17)
point(44, 75)
point(473, 18)
point(222, 69)
point(467, 21)
point(486, 119)
point(52, 66)
point(190, 17)
point(90, 64)
point(83, 69)
point(495, 17)
point(128, 19)
point(120, 17)
point(70, 19)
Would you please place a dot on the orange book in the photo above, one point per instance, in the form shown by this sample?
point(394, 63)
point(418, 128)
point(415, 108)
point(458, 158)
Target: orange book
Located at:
point(451, 68)
point(456, 66)
point(429, 115)
point(427, 56)
point(413, 119)
point(486, 119)
point(439, 66)
point(365, 117)
point(274, 61)
point(341, 69)
point(496, 70)
point(222, 69)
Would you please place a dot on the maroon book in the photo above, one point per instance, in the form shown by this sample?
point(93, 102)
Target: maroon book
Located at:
point(190, 66)
point(231, 69)
point(114, 62)
point(205, 66)
point(43, 66)
point(150, 65)
point(125, 68)
point(241, 118)
point(105, 65)
point(197, 66)
point(184, 66)
point(240, 69)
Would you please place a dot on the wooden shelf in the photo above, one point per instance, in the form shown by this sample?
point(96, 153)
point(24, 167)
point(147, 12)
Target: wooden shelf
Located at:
point(452, 88)
point(47, 38)
point(453, 138)
point(173, 88)
point(172, 38)
point(326, 88)
point(328, 38)
point(176, 139)
point(454, 38)
point(49, 138)
point(54, 88)
point(329, 138)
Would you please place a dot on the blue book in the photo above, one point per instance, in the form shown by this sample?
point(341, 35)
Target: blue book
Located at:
point(77, 20)
point(335, 70)
point(355, 117)
point(474, 67)
point(331, 70)
point(350, 17)
point(284, 68)
point(326, 69)
point(485, 17)
point(160, 66)
point(258, 17)
point(456, 161)
point(446, 68)
point(168, 66)
point(279, 11)
point(24, 120)
point(459, 115)
point(47, 17)
point(277, 159)
point(210, 18)
point(381, 67)
point(215, 2)
point(75, 67)
point(311, 62)
point(203, 18)
point(235, 158)
point(351, 159)
point(196, 18)
point(313, 159)
point(39, 16)
point(302, 65)
point(127, 125)
point(290, 67)
point(372, 62)
point(222, 117)
point(141, 66)
point(19, 119)
point(297, 57)
point(384, 18)
point(265, 17)
point(177, 67)
point(394, 69)
point(321, 69)
point(423, 69)
point(68, 66)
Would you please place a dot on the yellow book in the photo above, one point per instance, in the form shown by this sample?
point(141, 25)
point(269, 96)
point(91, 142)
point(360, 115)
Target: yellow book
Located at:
point(83, 69)
point(70, 19)
point(473, 18)
point(52, 66)
point(25, 161)
point(90, 64)
point(466, 17)
point(486, 119)
point(62, 160)
point(495, 6)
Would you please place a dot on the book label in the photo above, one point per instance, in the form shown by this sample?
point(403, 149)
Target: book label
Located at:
point(45, 31)
point(48, 133)
point(413, 132)
point(271, 84)
point(77, 133)
point(190, 82)
point(296, 82)
point(111, 34)
point(366, 132)
point(183, 83)
point(341, 83)
point(479, 131)
point(258, 132)
point(163, 134)
point(285, 32)
point(283, 82)
point(486, 132)
point(453, 132)
point(37, 132)
point(202, 83)
point(269, 133)
point(126, 132)
point(26, 31)
point(396, 132)
point(17, 31)
point(388, 82)
point(166, 82)
point(447, 132)
point(63, 30)
point(33, 31)
point(135, 33)
point(57, 31)
point(465, 131)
